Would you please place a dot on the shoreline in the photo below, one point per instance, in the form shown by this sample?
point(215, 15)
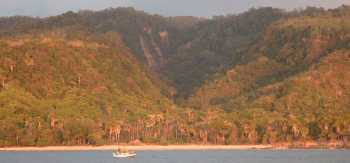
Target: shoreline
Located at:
point(138, 147)
point(152, 148)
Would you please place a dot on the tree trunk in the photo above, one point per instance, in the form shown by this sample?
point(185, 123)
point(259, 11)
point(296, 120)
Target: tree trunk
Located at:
point(3, 83)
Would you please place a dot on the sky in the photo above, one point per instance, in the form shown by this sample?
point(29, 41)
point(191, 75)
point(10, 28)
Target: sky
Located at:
point(202, 8)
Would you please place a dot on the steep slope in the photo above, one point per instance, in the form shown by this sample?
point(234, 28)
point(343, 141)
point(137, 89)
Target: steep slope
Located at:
point(59, 89)
point(168, 45)
point(216, 45)
point(264, 76)
point(147, 36)
point(295, 84)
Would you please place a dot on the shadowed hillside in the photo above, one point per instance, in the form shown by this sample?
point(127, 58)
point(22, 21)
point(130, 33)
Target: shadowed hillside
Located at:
point(121, 75)
point(296, 85)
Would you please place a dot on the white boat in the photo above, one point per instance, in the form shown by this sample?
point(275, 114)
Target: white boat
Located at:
point(124, 154)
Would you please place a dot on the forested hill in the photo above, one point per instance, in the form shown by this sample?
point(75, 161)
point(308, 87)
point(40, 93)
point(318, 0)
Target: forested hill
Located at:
point(296, 85)
point(56, 89)
point(263, 76)
point(168, 45)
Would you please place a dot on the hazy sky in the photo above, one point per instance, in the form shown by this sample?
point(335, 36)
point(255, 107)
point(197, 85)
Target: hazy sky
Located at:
point(163, 7)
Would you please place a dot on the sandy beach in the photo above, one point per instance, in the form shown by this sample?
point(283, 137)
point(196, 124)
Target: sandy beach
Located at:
point(137, 148)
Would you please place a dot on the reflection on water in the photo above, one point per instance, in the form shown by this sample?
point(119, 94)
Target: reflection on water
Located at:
point(213, 156)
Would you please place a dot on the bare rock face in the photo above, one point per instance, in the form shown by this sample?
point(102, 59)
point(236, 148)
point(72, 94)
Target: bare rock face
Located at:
point(159, 53)
point(146, 51)
point(152, 52)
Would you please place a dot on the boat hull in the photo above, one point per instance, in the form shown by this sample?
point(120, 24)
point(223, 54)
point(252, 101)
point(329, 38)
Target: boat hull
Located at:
point(118, 155)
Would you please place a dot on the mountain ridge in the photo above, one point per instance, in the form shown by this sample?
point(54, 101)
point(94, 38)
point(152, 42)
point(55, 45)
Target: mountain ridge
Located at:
point(261, 77)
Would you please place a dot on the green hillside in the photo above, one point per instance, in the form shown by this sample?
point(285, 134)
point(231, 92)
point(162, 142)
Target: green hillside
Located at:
point(295, 86)
point(121, 75)
point(215, 46)
point(60, 90)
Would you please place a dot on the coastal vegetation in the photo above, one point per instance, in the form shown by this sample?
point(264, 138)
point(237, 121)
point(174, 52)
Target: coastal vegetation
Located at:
point(265, 76)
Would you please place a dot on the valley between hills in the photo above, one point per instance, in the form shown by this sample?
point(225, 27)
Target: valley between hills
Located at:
point(265, 76)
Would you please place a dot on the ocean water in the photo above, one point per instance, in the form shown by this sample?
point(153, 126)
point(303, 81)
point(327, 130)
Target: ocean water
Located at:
point(205, 156)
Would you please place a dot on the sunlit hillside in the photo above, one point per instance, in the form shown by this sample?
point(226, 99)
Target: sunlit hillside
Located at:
point(265, 76)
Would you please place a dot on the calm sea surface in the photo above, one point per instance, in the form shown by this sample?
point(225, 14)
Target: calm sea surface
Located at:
point(219, 156)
